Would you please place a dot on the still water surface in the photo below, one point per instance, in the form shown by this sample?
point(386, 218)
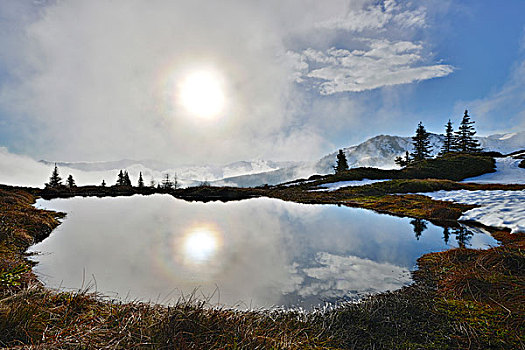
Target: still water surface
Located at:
point(253, 253)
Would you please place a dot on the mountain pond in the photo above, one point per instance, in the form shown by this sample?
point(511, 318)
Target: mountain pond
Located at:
point(255, 253)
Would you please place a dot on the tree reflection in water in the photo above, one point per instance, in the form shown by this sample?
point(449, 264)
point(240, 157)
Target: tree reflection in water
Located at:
point(420, 225)
point(461, 232)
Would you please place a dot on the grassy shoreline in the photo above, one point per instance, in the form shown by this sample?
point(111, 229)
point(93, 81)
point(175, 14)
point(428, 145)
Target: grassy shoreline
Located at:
point(461, 298)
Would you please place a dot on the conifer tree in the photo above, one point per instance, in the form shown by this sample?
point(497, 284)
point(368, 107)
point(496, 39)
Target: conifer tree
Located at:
point(403, 162)
point(152, 183)
point(421, 144)
point(448, 144)
point(55, 180)
point(175, 182)
point(127, 181)
point(342, 163)
point(120, 179)
point(166, 183)
point(103, 184)
point(464, 137)
point(141, 180)
point(70, 181)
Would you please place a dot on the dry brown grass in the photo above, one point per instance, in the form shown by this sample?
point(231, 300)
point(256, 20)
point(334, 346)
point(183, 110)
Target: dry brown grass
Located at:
point(483, 289)
point(81, 320)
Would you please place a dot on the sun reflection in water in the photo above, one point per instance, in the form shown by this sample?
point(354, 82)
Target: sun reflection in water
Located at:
point(201, 244)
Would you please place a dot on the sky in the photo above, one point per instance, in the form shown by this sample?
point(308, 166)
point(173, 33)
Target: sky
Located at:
point(212, 82)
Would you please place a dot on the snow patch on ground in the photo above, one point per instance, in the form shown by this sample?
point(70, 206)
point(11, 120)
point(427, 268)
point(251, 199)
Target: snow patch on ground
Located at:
point(340, 184)
point(295, 183)
point(507, 172)
point(497, 208)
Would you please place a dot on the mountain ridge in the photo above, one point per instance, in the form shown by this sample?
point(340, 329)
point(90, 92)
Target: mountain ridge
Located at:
point(378, 151)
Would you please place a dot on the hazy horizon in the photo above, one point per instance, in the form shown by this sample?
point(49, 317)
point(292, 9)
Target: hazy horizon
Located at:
point(313, 158)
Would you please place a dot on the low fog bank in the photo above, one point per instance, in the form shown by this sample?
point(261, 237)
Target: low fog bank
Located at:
point(19, 170)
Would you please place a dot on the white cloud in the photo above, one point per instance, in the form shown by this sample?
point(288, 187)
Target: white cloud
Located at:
point(337, 275)
point(380, 63)
point(378, 50)
point(376, 17)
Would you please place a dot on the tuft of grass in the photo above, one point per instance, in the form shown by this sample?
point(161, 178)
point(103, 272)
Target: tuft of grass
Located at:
point(39, 316)
point(20, 226)
point(483, 290)
point(404, 319)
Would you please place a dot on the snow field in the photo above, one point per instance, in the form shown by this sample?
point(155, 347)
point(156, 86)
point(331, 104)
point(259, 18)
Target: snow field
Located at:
point(507, 172)
point(504, 209)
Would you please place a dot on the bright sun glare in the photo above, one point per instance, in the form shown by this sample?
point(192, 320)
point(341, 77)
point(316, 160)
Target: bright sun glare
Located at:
point(200, 244)
point(201, 93)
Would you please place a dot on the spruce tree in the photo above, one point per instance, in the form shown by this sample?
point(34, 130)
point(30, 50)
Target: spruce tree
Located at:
point(103, 184)
point(55, 180)
point(166, 183)
point(120, 179)
point(141, 180)
point(448, 144)
point(127, 181)
point(342, 164)
point(175, 181)
point(71, 181)
point(421, 144)
point(403, 162)
point(464, 137)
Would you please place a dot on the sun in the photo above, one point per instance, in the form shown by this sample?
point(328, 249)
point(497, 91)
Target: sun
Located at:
point(201, 93)
point(200, 244)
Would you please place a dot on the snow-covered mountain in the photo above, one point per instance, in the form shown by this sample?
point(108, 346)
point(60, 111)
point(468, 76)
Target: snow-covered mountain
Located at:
point(379, 151)
point(504, 143)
